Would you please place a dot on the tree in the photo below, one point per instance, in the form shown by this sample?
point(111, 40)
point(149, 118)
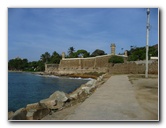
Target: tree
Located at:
point(36, 66)
point(24, 64)
point(116, 59)
point(32, 66)
point(98, 52)
point(82, 53)
point(55, 58)
point(45, 57)
point(139, 53)
point(40, 66)
point(17, 64)
point(71, 51)
point(12, 64)
point(153, 50)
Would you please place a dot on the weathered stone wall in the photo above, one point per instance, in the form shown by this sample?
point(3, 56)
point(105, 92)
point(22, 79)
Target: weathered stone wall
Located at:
point(133, 68)
point(153, 68)
point(100, 64)
point(49, 68)
point(69, 64)
point(88, 63)
point(84, 65)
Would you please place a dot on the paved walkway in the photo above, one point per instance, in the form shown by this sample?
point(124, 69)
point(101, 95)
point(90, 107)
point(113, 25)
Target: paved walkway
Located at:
point(114, 100)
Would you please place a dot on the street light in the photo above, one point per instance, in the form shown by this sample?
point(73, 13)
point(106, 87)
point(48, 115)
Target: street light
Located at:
point(147, 41)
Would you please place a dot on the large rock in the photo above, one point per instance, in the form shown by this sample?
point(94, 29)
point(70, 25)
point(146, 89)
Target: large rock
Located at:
point(49, 103)
point(86, 89)
point(91, 83)
point(73, 96)
point(59, 96)
point(10, 114)
point(40, 113)
point(37, 114)
point(32, 106)
point(20, 114)
point(56, 100)
point(30, 113)
point(36, 111)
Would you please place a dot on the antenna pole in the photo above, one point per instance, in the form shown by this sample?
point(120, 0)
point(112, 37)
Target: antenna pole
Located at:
point(147, 41)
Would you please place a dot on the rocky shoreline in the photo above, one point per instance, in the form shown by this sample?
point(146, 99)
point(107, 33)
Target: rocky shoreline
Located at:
point(56, 102)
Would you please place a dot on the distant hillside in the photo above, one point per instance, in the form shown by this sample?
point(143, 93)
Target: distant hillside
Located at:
point(139, 53)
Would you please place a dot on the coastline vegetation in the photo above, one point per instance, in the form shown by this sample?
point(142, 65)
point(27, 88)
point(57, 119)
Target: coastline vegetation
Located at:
point(139, 53)
point(19, 64)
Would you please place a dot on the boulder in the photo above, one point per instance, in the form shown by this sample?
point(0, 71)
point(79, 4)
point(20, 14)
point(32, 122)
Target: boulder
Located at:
point(99, 79)
point(86, 89)
point(49, 103)
point(30, 113)
point(73, 96)
point(10, 114)
point(20, 114)
point(91, 83)
point(40, 113)
point(37, 114)
point(82, 95)
point(32, 106)
point(59, 96)
point(92, 88)
point(36, 111)
point(56, 100)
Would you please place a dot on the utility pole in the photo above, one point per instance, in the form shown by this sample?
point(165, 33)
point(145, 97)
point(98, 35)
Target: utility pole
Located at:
point(147, 41)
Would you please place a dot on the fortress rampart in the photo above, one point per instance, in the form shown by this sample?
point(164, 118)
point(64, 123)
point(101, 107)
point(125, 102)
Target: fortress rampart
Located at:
point(80, 65)
point(84, 65)
point(100, 64)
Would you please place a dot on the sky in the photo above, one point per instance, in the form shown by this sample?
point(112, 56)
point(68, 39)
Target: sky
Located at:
point(34, 31)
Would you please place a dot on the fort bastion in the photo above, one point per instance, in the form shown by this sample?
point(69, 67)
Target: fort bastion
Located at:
point(99, 64)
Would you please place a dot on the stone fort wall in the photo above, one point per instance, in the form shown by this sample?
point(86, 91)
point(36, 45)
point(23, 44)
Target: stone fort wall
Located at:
point(80, 65)
point(49, 68)
point(84, 65)
point(133, 68)
point(99, 64)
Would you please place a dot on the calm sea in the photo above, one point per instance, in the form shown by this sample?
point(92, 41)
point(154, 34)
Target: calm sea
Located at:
point(26, 88)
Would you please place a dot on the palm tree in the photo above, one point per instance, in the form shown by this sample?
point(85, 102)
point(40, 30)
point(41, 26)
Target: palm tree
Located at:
point(71, 51)
point(122, 51)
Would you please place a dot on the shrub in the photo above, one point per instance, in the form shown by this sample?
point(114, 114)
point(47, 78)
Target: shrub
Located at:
point(116, 59)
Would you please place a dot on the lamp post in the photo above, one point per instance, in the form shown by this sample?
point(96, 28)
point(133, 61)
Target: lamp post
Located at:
point(147, 41)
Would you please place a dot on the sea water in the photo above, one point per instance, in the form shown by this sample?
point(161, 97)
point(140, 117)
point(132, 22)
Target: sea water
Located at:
point(26, 88)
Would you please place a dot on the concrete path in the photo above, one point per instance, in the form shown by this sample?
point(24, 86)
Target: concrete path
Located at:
point(114, 100)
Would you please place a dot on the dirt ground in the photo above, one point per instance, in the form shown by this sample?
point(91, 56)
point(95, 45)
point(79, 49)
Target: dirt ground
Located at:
point(146, 93)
